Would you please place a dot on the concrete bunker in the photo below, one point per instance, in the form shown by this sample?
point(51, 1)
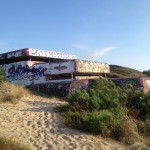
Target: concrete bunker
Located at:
point(32, 66)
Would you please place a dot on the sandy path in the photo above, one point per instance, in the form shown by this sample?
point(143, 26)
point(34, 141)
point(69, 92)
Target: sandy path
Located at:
point(34, 122)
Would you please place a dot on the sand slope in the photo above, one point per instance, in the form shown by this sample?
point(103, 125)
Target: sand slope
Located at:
point(34, 122)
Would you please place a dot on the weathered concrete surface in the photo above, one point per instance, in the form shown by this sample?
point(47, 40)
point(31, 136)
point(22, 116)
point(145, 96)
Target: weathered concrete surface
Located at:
point(83, 66)
point(32, 72)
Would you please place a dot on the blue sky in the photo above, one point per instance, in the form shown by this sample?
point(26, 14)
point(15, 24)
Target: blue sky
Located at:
point(112, 31)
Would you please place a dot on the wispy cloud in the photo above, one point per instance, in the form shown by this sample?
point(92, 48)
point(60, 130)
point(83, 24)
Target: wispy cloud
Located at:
point(100, 52)
point(80, 46)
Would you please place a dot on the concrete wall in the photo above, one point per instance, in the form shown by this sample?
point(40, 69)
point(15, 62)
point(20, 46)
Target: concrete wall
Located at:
point(35, 74)
point(146, 84)
point(26, 72)
point(58, 68)
point(83, 66)
point(57, 88)
point(61, 88)
point(32, 72)
point(29, 52)
point(64, 88)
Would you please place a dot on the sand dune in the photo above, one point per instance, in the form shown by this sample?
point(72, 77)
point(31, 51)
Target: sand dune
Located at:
point(34, 122)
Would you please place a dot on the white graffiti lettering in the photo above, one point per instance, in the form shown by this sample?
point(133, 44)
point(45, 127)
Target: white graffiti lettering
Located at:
point(50, 54)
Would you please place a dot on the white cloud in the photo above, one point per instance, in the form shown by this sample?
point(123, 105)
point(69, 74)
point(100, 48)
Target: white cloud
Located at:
point(100, 52)
point(80, 47)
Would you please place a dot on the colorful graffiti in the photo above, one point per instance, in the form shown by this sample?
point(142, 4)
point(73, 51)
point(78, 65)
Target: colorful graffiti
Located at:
point(61, 67)
point(21, 73)
point(28, 72)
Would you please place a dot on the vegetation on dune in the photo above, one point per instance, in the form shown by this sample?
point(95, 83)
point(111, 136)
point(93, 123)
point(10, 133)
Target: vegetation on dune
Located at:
point(147, 73)
point(8, 144)
point(12, 92)
point(124, 72)
point(121, 113)
point(2, 73)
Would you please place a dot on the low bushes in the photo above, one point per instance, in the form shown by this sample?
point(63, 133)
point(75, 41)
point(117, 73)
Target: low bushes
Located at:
point(108, 110)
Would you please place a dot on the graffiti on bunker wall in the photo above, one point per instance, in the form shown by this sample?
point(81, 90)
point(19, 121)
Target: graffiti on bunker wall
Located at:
point(23, 73)
point(60, 67)
point(28, 72)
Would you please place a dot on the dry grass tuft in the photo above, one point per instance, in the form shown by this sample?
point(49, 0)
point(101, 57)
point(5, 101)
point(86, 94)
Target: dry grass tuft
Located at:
point(7, 144)
point(12, 92)
point(129, 132)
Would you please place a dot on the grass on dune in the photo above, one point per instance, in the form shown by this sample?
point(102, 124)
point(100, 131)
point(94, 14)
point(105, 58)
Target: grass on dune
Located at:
point(12, 92)
point(8, 144)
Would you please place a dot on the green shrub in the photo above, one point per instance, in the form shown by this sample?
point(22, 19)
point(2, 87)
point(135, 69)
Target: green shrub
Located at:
point(147, 126)
point(147, 123)
point(100, 109)
point(94, 122)
point(95, 102)
point(100, 122)
point(100, 95)
point(2, 74)
point(107, 94)
point(140, 102)
point(109, 110)
point(79, 98)
point(106, 122)
point(2, 78)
